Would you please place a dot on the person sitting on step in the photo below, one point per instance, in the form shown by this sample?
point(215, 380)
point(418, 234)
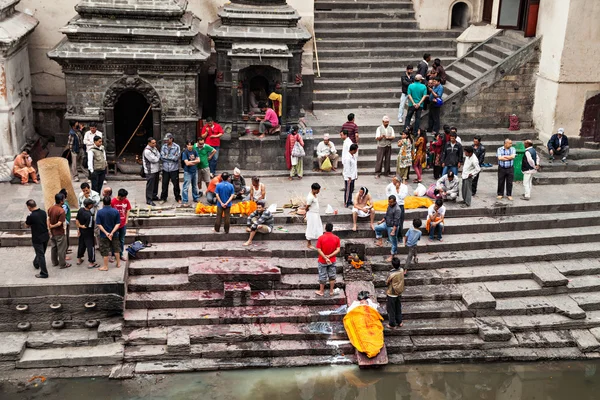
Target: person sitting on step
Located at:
point(260, 221)
point(269, 125)
point(363, 207)
point(447, 186)
point(22, 168)
point(558, 145)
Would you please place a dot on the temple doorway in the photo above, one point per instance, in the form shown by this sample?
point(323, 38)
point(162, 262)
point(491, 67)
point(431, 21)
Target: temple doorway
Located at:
point(129, 111)
point(590, 126)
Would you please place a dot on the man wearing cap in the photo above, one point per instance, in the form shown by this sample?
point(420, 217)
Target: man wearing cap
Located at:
point(417, 93)
point(558, 145)
point(326, 149)
point(384, 136)
point(170, 154)
point(239, 184)
point(260, 221)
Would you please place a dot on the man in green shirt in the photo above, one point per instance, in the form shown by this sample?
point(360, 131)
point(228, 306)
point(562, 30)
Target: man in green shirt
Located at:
point(205, 153)
point(417, 93)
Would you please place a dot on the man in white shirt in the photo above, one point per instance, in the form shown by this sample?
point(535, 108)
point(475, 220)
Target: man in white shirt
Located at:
point(384, 136)
point(530, 165)
point(88, 138)
point(435, 219)
point(470, 170)
point(326, 149)
point(350, 174)
point(347, 142)
point(398, 189)
point(447, 186)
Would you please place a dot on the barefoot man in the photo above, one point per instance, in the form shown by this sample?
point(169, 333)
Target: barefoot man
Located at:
point(363, 207)
point(328, 247)
point(260, 221)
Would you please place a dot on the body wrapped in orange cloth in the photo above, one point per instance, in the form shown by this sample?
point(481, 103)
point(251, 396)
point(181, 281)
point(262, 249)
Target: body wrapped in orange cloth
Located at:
point(364, 327)
point(244, 207)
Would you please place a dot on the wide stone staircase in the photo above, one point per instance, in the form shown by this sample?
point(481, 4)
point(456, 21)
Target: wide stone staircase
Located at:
point(365, 45)
point(494, 289)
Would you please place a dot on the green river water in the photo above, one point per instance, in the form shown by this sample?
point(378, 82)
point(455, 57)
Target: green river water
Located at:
point(532, 381)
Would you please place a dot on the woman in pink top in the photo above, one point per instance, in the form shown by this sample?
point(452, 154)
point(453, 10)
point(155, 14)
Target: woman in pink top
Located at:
point(269, 122)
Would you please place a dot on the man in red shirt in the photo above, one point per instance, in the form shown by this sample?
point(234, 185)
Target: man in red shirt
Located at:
point(328, 247)
point(211, 133)
point(122, 205)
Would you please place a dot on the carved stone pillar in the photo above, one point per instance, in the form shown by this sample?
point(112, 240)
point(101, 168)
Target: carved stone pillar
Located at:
point(109, 134)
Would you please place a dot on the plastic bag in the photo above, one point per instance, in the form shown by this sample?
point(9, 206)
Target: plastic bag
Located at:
point(326, 166)
point(272, 208)
point(329, 209)
point(421, 190)
point(298, 150)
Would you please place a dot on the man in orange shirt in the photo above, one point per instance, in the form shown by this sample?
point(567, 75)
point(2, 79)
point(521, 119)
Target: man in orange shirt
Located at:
point(211, 197)
point(211, 133)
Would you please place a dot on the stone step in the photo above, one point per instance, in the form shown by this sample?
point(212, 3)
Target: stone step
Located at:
point(487, 57)
point(354, 63)
point(383, 33)
point(465, 70)
point(346, 15)
point(366, 23)
point(588, 301)
point(545, 339)
point(396, 43)
point(421, 292)
point(150, 283)
point(386, 52)
point(229, 315)
point(492, 355)
point(355, 70)
point(273, 348)
point(546, 178)
point(304, 281)
point(547, 322)
point(456, 342)
point(497, 50)
point(213, 298)
point(509, 42)
point(106, 354)
point(585, 266)
point(321, 5)
point(351, 94)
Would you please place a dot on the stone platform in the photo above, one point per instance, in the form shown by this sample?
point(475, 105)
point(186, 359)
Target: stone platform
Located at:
point(511, 281)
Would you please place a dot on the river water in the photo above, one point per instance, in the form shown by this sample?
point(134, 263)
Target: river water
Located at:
point(532, 381)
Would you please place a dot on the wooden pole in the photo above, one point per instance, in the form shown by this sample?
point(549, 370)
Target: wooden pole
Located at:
point(316, 54)
point(134, 132)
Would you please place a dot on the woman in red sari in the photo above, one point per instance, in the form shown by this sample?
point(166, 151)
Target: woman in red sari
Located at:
point(294, 164)
point(436, 149)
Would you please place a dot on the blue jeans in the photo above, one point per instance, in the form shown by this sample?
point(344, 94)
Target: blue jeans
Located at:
point(190, 178)
point(436, 230)
point(380, 228)
point(212, 163)
point(121, 232)
point(448, 168)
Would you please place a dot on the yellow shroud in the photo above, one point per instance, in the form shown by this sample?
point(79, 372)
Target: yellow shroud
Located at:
point(365, 330)
point(245, 208)
point(410, 202)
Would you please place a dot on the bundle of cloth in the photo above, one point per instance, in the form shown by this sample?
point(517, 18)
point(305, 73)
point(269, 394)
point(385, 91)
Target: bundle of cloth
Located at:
point(363, 325)
point(244, 208)
point(410, 202)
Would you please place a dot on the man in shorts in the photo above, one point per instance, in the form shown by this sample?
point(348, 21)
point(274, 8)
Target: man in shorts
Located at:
point(328, 247)
point(205, 153)
point(109, 222)
point(363, 208)
point(260, 221)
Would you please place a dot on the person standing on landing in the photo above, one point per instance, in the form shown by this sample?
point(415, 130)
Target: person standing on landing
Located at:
point(470, 170)
point(506, 158)
point(38, 222)
point(328, 247)
point(85, 233)
point(350, 174)
point(211, 133)
point(411, 239)
point(123, 206)
point(170, 156)
point(108, 221)
point(58, 242)
point(225, 193)
point(406, 80)
point(314, 226)
point(479, 151)
point(531, 164)
point(384, 137)
point(150, 163)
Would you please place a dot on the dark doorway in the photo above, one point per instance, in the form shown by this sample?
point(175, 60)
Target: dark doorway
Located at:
point(129, 111)
point(590, 126)
point(488, 6)
point(460, 15)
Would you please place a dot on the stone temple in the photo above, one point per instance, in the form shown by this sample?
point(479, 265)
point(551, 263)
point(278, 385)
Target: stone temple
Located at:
point(259, 51)
point(123, 60)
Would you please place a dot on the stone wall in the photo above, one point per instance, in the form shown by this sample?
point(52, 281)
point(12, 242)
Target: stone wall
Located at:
point(252, 154)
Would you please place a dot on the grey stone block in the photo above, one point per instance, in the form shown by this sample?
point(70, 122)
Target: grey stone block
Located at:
point(586, 341)
point(178, 341)
point(493, 330)
point(12, 347)
point(72, 356)
point(110, 328)
point(123, 371)
point(547, 275)
point(477, 296)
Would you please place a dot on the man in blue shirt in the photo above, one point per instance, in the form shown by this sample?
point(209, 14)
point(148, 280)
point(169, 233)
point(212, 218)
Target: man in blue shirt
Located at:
point(190, 172)
point(417, 93)
point(435, 98)
point(108, 221)
point(225, 193)
point(170, 154)
point(506, 157)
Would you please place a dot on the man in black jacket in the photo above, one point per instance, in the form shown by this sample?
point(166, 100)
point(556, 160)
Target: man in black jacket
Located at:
point(479, 151)
point(37, 221)
point(407, 79)
point(423, 66)
point(558, 145)
point(452, 155)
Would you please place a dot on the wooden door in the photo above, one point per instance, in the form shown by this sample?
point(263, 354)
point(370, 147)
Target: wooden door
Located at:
point(531, 19)
point(488, 6)
point(590, 126)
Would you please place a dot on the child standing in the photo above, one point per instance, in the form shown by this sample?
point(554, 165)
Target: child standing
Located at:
point(410, 241)
point(395, 287)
